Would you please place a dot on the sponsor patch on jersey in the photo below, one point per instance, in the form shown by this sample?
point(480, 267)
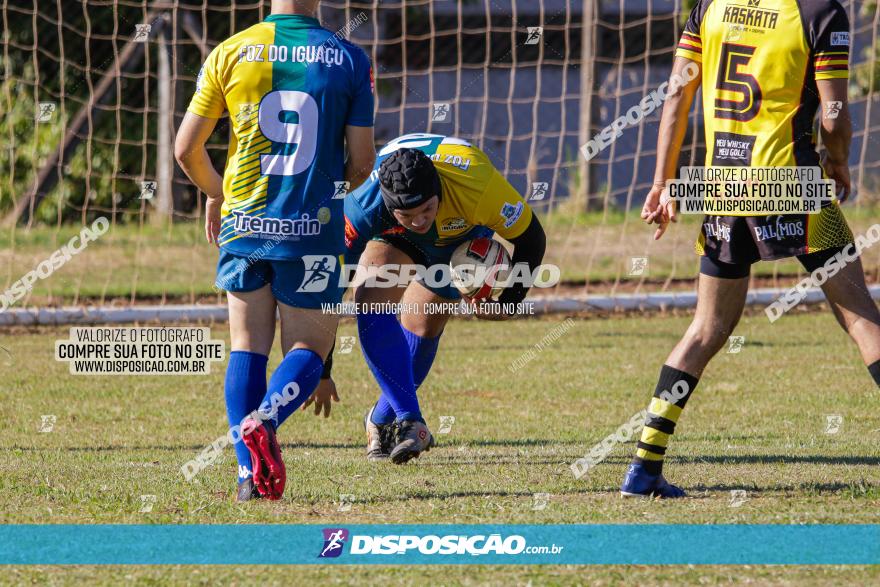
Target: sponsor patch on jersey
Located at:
point(286, 228)
point(454, 223)
point(751, 16)
point(840, 39)
point(732, 150)
point(351, 233)
point(511, 213)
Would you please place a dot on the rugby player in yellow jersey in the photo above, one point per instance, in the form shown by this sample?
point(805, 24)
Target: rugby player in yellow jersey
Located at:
point(428, 194)
point(766, 66)
point(296, 94)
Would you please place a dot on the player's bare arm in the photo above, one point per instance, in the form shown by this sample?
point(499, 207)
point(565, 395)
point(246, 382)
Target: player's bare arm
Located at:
point(191, 154)
point(361, 148)
point(836, 131)
point(673, 126)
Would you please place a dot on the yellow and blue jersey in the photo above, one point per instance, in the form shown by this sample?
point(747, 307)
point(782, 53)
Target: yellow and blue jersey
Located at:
point(290, 88)
point(761, 60)
point(474, 195)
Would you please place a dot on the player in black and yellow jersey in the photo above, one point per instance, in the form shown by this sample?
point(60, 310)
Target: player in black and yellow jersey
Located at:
point(766, 67)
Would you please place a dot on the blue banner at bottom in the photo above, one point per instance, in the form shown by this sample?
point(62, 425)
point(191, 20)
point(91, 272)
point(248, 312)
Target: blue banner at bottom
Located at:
point(649, 544)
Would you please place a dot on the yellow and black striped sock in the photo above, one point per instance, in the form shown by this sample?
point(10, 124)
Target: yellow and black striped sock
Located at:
point(673, 390)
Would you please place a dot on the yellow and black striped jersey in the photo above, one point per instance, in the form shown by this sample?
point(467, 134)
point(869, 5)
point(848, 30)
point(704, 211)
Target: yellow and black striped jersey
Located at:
point(761, 60)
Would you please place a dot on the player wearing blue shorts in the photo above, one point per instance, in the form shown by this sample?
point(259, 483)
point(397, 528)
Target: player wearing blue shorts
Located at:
point(428, 194)
point(295, 95)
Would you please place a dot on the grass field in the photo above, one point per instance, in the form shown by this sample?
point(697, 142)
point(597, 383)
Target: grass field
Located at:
point(134, 262)
point(756, 423)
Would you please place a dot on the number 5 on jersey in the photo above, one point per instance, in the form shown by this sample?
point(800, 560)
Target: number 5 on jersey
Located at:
point(731, 79)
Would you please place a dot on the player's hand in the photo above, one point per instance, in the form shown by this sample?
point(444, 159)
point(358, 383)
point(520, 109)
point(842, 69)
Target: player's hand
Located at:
point(659, 209)
point(839, 172)
point(321, 397)
point(486, 309)
point(212, 220)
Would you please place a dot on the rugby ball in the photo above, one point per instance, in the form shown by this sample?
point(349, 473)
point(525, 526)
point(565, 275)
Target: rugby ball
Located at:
point(479, 268)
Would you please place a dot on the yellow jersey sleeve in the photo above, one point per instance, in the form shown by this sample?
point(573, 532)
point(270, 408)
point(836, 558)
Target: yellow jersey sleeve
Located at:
point(208, 100)
point(502, 209)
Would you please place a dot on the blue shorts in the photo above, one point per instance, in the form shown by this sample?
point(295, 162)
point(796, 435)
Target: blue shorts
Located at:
point(428, 254)
point(304, 282)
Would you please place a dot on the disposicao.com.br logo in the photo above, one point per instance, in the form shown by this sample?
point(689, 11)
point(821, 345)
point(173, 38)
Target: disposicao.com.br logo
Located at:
point(334, 542)
point(432, 544)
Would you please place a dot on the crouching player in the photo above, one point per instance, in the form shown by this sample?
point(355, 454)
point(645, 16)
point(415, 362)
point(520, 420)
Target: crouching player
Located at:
point(427, 194)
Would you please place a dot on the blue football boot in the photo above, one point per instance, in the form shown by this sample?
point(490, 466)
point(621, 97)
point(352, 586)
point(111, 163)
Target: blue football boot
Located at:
point(639, 483)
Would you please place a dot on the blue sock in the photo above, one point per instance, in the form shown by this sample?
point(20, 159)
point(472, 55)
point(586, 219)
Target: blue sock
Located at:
point(245, 387)
point(301, 367)
point(383, 413)
point(423, 351)
point(387, 354)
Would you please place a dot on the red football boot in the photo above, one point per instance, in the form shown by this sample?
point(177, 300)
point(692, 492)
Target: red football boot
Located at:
point(270, 476)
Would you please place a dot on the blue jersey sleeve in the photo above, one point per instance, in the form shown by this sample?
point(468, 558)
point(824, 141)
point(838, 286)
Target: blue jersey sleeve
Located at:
point(361, 224)
point(360, 112)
